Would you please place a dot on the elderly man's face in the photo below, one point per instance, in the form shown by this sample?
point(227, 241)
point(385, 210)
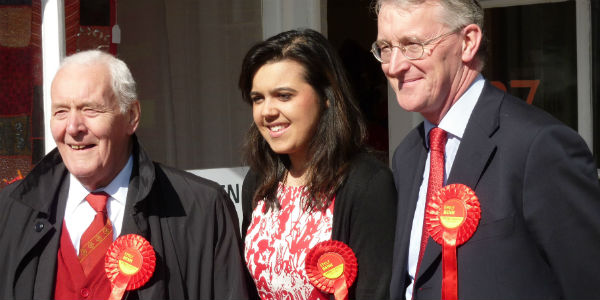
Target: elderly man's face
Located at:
point(91, 133)
point(422, 85)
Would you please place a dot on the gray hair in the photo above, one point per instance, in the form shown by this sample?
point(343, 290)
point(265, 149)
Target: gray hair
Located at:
point(457, 14)
point(122, 82)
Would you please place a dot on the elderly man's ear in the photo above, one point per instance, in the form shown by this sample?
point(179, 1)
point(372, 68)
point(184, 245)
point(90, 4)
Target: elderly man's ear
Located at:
point(133, 117)
point(472, 36)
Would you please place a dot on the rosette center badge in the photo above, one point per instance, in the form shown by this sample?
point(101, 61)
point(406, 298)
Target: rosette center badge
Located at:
point(129, 264)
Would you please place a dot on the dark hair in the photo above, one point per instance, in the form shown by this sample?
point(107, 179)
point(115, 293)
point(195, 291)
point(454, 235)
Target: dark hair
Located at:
point(340, 132)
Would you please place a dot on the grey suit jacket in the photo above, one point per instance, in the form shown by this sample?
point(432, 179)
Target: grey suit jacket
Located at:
point(539, 233)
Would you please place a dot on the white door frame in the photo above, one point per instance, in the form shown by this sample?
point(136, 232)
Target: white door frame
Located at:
point(53, 50)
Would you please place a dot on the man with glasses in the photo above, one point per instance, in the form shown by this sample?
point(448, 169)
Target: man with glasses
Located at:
point(538, 232)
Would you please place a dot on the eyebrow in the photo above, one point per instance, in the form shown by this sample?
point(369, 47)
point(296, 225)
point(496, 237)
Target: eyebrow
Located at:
point(404, 40)
point(276, 90)
point(284, 89)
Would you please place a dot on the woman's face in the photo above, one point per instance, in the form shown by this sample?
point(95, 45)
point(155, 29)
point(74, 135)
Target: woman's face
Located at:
point(285, 108)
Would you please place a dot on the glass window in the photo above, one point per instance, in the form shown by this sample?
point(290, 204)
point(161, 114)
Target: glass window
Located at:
point(532, 54)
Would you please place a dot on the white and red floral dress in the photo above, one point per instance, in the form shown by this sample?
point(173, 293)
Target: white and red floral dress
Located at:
point(277, 243)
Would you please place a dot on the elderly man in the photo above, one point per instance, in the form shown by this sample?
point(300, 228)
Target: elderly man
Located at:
point(57, 224)
point(537, 235)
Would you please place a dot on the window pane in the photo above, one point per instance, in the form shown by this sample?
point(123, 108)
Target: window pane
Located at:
point(532, 54)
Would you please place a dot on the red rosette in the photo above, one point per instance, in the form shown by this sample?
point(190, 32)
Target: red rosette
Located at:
point(451, 218)
point(331, 267)
point(129, 264)
point(466, 213)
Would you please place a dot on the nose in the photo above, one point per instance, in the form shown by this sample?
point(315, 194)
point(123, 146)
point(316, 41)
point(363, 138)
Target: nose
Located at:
point(269, 109)
point(398, 63)
point(75, 123)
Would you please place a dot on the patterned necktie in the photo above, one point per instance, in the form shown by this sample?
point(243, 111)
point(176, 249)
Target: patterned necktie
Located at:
point(437, 144)
point(98, 236)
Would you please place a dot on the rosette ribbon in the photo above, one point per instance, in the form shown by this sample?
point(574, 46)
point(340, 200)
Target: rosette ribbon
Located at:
point(129, 263)
point(331, 267)
point(451, 217)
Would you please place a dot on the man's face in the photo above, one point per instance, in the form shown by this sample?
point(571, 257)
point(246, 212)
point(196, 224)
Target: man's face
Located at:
point(424, 85)
point(91, 133)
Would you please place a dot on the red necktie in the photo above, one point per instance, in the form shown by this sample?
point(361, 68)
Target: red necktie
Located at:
point(98, 236)
point(437, 143)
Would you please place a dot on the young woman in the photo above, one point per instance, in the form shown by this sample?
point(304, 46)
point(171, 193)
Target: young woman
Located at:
point(310, 178)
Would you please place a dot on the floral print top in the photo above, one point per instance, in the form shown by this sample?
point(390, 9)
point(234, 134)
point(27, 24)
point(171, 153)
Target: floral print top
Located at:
point(277, 243)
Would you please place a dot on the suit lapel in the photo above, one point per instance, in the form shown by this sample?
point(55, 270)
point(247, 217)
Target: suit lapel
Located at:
point(475, 152)
point(408, 173)
point(477, 148)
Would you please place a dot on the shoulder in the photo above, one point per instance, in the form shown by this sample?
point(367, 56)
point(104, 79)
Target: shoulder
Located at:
point(188, 186)
point(515, 112)
point(413, 139)
point(523, 123)
point(365, 165)
point(250, 180)
point(366, 173)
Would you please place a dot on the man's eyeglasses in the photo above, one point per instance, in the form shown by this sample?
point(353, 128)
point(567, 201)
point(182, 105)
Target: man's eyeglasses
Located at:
point(382, 50)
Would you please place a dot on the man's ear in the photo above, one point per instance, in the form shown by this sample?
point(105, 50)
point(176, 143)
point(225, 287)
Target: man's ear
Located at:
point(133, 114)
point(472, 36)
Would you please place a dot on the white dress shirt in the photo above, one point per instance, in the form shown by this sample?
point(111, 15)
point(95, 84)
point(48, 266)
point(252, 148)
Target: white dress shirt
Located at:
point(454, 123)
point(79, 214)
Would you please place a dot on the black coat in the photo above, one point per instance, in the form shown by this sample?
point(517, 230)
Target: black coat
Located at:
point(539, 232)
point(190, 222)
point(364, 216)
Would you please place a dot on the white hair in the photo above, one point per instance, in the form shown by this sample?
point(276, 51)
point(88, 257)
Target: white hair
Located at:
point(458, 12)
point(122, 82)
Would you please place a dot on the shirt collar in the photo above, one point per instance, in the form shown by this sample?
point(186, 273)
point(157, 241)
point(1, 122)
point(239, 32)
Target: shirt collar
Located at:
point(117, 188)
point(455, 121)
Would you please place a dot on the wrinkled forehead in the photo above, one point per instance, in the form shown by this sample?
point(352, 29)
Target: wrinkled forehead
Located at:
point(404, 4)
point(401, 20)
point(80, 81)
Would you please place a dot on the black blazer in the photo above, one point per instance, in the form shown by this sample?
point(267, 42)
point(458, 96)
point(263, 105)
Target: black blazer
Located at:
point(539, 233)
point(363, 218)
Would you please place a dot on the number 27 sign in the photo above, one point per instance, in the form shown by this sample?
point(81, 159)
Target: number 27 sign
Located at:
point(531, 84)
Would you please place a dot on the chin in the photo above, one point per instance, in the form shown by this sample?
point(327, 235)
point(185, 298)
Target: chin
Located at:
point(81, 169)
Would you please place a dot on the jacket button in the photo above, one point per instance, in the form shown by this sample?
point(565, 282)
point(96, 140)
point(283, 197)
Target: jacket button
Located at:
point(84, 292)
point(39, 226)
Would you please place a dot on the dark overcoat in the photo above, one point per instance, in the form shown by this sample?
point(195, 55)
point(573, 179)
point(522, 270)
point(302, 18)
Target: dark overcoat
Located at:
point(190, 222)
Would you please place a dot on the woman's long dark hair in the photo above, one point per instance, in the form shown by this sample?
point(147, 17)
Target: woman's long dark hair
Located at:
point(340, 133)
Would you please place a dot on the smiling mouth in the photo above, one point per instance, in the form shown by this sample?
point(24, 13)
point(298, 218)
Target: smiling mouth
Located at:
point(80, 147)
point(410, 80)
point(277, 128)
